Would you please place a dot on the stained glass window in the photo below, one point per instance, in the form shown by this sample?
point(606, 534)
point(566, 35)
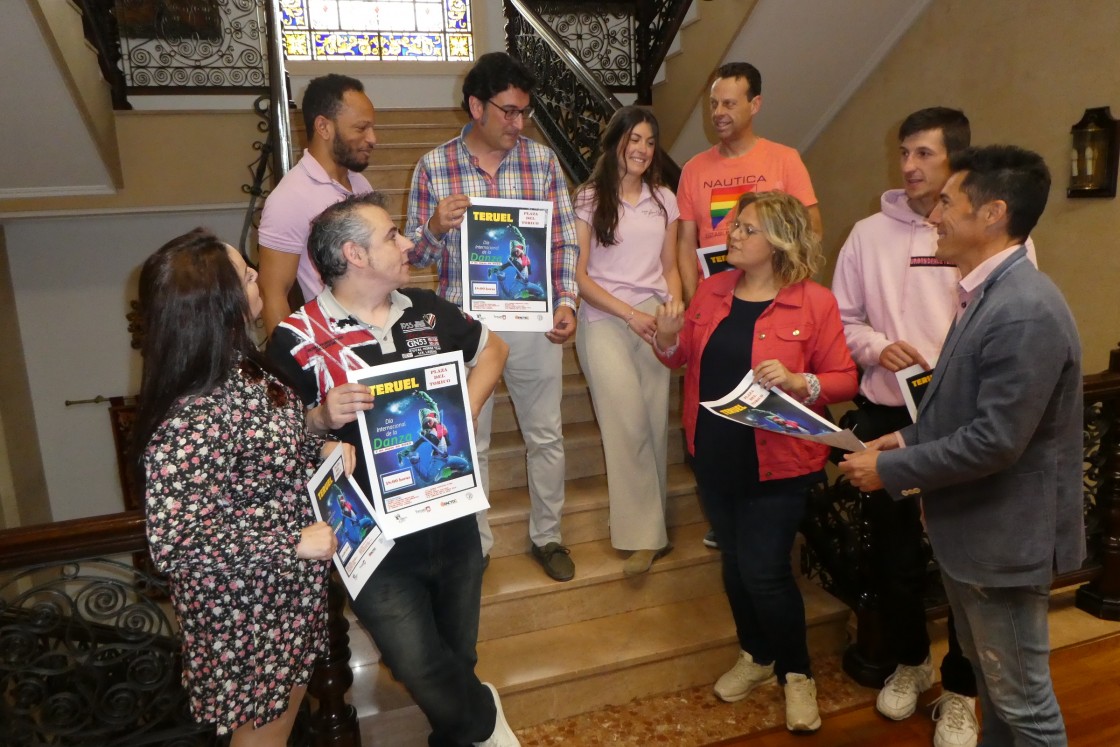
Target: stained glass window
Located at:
point(377, 29)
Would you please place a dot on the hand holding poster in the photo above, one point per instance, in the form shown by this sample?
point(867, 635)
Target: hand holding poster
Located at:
point(337, 500)
point(507, 269)
point(419, 444)
point(775, 411)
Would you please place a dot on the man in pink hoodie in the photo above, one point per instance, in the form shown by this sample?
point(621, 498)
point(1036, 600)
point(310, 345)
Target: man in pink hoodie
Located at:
point(897, 301)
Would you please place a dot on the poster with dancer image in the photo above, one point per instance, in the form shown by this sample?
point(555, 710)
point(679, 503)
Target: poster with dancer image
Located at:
point(337, 500)
point(506, 249)
point(419, 444)
point(775, 411)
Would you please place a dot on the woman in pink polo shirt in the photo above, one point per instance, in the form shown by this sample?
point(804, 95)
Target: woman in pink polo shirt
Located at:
point(627, 229)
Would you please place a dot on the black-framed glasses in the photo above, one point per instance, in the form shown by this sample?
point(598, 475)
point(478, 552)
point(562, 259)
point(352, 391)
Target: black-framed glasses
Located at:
point(512, 112)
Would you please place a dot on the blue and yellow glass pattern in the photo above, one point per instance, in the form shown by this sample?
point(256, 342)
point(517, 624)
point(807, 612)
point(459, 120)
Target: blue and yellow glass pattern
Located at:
point(313, 33)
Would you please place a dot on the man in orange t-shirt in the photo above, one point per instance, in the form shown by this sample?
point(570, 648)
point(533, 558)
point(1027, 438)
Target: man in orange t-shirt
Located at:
point(712, 181)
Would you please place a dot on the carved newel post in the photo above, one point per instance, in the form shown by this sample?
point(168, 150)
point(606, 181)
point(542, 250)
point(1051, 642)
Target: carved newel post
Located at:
point(1101, 596)
point(335, 722)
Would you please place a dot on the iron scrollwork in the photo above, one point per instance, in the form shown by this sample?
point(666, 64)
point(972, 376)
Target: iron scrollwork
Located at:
point(568, 113)
point(89, 657)
point(227, 52)
point(602, 39)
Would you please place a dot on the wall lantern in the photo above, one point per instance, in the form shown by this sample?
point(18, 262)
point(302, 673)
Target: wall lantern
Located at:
point(1093, 160)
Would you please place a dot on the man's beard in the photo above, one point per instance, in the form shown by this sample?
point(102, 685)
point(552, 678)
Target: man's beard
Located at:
point(343, 155)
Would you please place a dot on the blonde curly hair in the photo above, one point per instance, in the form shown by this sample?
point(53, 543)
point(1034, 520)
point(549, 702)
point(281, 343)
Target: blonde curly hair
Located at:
point(786, 226)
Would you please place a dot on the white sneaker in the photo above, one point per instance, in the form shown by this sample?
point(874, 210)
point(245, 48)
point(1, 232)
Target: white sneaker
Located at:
point(955, 716)
point(899, 696)
point(801, 704)
point(737, 682)
point(503, 736)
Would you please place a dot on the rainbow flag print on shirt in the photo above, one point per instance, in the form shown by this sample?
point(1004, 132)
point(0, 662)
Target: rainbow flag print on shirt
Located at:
point(723, 201)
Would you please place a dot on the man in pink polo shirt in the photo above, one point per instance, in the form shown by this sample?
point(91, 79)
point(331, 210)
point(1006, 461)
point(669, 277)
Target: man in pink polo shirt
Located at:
point(339, 121)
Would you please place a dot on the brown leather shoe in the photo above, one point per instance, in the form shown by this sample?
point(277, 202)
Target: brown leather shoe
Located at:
point(553, 557)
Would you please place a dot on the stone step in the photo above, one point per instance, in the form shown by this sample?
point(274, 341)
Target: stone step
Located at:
point(388, 176)
point(586, 511)
point(424, 131)
point(517, 596)
point(445, 116)
point(402, 153)
point(585, 666)
point(583, 450)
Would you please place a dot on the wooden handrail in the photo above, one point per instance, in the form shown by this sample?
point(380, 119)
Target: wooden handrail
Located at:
point(74, 539)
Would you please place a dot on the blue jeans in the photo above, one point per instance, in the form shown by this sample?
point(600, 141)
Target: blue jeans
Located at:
point(421, 607)
point(755, 526)
point(1005, 634)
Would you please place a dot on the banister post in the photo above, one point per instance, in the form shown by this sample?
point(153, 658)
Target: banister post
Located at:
point(335, 722)
point(1101, 596)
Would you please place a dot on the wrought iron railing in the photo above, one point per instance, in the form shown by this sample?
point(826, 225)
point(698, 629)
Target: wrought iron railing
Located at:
point(146, 47)
point(843, 538)
point(622, 42)
point(573, 102)
point(90, 655)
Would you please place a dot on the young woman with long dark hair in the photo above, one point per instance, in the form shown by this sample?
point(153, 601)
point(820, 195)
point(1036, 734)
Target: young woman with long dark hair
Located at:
point(627, 230)
point(225, 453)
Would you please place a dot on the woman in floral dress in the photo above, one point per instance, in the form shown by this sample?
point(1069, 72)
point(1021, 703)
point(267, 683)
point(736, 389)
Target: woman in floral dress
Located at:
point(225, 455)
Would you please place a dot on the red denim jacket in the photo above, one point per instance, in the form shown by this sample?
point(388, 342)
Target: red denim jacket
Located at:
point(802, 329)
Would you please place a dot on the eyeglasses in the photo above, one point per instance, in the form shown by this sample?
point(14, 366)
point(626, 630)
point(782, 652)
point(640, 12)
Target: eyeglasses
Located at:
point(512, 112)
point(746, 228)
point(274, 390)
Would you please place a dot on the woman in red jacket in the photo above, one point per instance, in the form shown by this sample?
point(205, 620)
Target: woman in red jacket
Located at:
point(767, 315)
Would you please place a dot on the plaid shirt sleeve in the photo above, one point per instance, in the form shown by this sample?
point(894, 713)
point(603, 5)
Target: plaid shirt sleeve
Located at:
point(565, 248)
point(421, 204)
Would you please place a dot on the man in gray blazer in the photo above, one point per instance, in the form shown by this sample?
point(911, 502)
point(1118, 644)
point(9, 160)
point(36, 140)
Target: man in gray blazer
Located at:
point(996, 455)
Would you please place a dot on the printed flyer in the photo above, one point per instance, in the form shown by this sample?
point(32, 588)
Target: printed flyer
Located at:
point(337, 500)
point(507, 277)
point(419, 444)
point(713, 259)
point(775, 411)
point(912, 381)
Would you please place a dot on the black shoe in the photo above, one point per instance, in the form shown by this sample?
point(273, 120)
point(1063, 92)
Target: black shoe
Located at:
point(553, 557)
point(485, 561)
point(710, 540)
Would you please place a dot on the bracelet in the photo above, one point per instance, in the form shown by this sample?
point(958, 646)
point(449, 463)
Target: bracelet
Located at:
point(814, 385)
point(630, 318)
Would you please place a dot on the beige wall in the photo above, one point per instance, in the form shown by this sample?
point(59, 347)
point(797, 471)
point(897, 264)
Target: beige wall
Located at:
point(23, 490)
point(1024, 71)
point(178, 158)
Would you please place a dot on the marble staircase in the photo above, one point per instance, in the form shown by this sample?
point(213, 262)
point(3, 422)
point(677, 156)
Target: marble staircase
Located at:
point(557, 649)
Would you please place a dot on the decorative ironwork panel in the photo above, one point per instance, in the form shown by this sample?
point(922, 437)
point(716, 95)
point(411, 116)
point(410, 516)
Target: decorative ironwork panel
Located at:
point(569, 114)
point(1099, 420)
point(377, 29)
point(602, 39)
point(206, 44)
point(833, 539)
point(88, 657)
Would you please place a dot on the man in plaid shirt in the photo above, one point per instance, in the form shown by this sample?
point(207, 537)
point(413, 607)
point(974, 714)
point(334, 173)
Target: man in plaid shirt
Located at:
point(490, 158)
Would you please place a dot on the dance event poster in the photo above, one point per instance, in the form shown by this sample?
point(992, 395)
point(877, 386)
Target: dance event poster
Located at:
point(337, 500)
point(506, 249)
point(775, 411)
point(419, 444)
point(713, 259)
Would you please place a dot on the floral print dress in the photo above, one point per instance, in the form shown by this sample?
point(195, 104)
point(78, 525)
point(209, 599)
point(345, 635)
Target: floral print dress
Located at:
point(225, 504)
